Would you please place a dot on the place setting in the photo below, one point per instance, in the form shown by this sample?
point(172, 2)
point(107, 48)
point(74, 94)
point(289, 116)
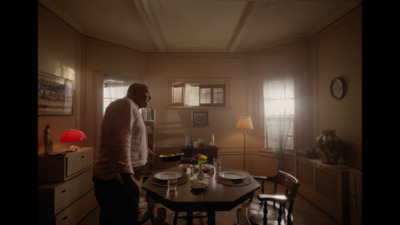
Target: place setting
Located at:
point(233, 178)
point(169, 178)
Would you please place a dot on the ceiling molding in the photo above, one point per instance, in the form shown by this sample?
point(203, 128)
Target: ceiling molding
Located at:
point(252, 9)
point(330, 20)
point(145, 10)
point(218, 26)
point(64, 16)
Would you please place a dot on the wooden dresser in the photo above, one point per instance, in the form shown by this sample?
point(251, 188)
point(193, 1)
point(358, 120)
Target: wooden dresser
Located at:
point(65, 187)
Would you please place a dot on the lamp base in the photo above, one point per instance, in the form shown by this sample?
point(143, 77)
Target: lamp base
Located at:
point(74, 148)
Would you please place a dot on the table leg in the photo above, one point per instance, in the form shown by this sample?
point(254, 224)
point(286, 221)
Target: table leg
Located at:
point(211, 217)
point(189, 218)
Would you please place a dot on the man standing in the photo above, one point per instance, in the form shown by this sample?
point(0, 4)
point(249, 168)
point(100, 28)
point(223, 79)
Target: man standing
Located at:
point(122, 155)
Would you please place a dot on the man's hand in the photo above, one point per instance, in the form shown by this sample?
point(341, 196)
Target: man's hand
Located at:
point(131, 183)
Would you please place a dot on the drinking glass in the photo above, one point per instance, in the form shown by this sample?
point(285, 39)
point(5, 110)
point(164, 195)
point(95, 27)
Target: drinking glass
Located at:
point(217, 165)
point(172, 184)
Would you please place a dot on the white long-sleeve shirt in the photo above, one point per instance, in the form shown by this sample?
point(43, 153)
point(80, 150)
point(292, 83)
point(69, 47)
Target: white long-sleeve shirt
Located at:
point(123, 141)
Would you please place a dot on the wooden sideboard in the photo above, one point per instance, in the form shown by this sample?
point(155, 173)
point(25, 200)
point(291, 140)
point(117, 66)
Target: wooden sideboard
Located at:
point(210, 152)
point(325, 185)
point(355, 196)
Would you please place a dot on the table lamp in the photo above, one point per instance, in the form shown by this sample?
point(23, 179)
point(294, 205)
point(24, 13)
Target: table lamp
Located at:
point(244, 123)
point(73, 136)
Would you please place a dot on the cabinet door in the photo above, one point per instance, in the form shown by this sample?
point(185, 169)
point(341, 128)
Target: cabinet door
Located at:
point(355, 197)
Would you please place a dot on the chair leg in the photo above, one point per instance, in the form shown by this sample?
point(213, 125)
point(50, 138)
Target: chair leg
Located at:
point(176, 218)
point(280, 213)
point(289, 215)
point(265, 213)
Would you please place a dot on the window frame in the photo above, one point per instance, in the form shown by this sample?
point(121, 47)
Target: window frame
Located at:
point(181, 103)
point(115, 83)
point(292, 116)
point(212, 86)
point(201, 83)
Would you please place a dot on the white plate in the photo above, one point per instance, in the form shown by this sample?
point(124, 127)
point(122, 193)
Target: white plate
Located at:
point(232, 175)
point(165, 175)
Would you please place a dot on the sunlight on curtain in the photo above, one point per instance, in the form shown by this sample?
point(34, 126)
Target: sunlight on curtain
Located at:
point(115, 87)
point(279, 113)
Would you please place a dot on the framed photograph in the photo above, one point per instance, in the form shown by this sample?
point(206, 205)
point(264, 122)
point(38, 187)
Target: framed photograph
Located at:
point(199, 118)
point(55, 95)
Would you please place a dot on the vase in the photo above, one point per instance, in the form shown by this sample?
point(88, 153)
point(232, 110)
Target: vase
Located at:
point(329, 147)
point(200, 175)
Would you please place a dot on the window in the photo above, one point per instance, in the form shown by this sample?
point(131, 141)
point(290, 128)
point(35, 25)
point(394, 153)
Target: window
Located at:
point(177, 94)
point(198, 94)
point(113, 89)
point(279, 113)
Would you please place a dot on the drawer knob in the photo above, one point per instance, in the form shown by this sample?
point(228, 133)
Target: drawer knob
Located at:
point(63, 191)
point(65, 217)
point(82, 157)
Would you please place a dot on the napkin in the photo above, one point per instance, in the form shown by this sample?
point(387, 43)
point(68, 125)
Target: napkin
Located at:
point(199, 184)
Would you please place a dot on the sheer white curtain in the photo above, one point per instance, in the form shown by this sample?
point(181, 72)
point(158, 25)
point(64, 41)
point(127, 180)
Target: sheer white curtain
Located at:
point(115, 87)
point(278, 94)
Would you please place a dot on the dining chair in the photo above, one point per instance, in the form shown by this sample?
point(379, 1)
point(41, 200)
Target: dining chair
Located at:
point(271, 206)
point(189, 216)
point(241, 214)
point(160, 218)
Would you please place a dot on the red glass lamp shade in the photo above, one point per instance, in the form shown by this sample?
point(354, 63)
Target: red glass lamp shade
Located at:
point(73, 135)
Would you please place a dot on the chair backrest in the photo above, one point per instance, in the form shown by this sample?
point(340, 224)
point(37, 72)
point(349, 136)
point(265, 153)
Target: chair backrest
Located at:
point(290, 182)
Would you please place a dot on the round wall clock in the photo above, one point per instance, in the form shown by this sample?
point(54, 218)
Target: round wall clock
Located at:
point(338, 88)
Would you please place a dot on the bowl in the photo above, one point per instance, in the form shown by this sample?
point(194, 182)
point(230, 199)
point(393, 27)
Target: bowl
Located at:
point(184, 166)
point(206, 167)
point(172, 157)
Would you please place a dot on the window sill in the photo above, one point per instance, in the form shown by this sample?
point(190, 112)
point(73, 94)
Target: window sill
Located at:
point(198, 107)
point(269, 150)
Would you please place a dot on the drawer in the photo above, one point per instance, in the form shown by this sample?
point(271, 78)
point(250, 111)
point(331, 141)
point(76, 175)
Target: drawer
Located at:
point(63, 167)
point(77, 211)
point(52, 198)
point(74, 213)
point(78, 162)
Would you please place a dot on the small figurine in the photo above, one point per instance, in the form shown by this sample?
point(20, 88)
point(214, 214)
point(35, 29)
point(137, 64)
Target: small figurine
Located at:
point(48, 142)
point(212, 143)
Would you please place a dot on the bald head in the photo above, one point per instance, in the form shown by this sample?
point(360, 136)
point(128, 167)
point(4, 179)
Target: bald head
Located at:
point(139, 93)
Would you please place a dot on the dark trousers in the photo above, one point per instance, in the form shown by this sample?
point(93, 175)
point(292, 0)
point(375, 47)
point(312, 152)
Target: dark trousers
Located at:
point(118, 205)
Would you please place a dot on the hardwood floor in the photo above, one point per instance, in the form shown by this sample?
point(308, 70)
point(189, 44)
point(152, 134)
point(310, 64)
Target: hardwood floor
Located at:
point(304, 213)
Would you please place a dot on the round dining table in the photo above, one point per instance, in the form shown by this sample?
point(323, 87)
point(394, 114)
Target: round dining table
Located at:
point(220, 195)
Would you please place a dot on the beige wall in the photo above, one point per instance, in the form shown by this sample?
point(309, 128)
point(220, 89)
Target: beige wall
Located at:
point(173, 124)
point(337, 50)
point(59, 54)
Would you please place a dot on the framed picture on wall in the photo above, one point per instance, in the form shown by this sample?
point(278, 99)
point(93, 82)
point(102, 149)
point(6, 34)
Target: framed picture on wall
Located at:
point(55, 95)
point(199, 118)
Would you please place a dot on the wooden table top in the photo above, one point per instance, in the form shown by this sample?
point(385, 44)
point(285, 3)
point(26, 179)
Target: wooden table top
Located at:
point(217, 196)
